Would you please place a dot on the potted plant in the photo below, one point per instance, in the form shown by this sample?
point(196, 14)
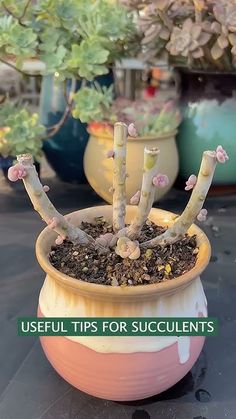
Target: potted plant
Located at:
point(20, 132)
point(198, 39)
point(78, 42)
point(156, 125)
point(128, 261)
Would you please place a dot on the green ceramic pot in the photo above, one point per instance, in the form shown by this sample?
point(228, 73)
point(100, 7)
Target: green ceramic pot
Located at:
point(208, 105)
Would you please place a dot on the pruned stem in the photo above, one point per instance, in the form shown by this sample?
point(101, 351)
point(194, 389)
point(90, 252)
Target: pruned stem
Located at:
point(194, 206)
point(46, 209)
point(147, 192)
point(119, 176)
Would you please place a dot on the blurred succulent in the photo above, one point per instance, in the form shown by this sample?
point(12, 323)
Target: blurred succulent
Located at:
point(74, 39)
point(91, 103)
point(149, 116)
point(225, 28)
point(188, 40)
point(20, 132)
point(196, 33)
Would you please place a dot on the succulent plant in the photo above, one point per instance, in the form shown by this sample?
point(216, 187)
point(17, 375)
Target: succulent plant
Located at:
point(124, 240)
point(74, 39)
point(20, 132)
point(150, 118)
point(225, 28)
point(197, 33)
point(188, 40)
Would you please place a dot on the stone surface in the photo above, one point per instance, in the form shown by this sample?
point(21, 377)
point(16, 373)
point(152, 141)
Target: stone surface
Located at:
point(31, 389)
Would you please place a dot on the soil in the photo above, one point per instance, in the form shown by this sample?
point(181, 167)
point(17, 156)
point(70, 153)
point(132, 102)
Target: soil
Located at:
point(154, 265)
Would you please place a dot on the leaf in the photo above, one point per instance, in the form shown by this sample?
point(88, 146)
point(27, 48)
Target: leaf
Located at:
point(222, 42)
point(216, 51)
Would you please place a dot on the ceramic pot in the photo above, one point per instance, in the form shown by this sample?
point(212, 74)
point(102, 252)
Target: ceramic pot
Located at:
point(99, 169)
point(65, 150)
point(122, 368)
point(209, 107)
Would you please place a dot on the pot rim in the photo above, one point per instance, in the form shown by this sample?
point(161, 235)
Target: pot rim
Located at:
point(91, 289)
point(139, 138)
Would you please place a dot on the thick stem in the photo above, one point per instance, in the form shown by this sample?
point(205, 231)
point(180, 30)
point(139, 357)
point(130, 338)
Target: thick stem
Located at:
point(194, 206)
point(45, 208)
point(147, 192)
point(119, 176)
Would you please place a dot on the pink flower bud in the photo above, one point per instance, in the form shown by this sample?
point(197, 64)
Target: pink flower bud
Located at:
point(191, 182)
point(59, 240)
point(221, 154)
point(110, 154)
point(53, 223)
point(46, 188)
point(135, 198)
point(202, 215)
point(132, 130)
point(16, 172)
point(160, 181)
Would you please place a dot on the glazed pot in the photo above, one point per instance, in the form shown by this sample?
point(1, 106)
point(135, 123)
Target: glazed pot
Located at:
point(99, 169)
point(122, 368)
point(65, 150)
point(208, 106)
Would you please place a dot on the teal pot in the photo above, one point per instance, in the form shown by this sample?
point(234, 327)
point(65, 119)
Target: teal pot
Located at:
point(208, 105)
point(65, 150)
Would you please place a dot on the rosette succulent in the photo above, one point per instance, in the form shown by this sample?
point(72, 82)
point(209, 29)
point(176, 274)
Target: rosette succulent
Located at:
point(197, 33)
point(74, 39)
point(188, 40)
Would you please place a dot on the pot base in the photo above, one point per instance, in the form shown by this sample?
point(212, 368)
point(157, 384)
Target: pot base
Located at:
point(118, 376)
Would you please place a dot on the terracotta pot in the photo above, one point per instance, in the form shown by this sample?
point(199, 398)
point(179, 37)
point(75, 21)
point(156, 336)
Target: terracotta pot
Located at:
point(99, 169)
point(122, 368)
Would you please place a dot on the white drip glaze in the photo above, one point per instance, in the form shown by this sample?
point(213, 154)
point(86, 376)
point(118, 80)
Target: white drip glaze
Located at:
point(188, 302)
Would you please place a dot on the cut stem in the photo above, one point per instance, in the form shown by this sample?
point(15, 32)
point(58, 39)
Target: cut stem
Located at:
point(194, 206)
point(147, 192)
point(46, 209)
point(119, 176)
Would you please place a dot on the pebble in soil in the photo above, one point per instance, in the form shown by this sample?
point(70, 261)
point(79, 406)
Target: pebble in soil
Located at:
point(154, 265)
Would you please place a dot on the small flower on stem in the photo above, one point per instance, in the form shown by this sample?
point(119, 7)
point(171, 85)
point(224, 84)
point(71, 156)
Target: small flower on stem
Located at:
point(221, 154)
point(160, 181)
point(59, 240)
point(16, 172)
point(46, 188)
point(132, 130)
point(135, 198)
point(191, 182)
point(127, 248)
point(110, 154)
point(202, 215)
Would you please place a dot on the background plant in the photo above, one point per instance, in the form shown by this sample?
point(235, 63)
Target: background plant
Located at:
point(74, 39)
point(195, 33)
point(20, 131)
point(149, 116)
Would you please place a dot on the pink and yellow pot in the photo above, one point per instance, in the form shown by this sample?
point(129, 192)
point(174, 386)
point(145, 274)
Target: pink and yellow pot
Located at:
point(122, 368)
